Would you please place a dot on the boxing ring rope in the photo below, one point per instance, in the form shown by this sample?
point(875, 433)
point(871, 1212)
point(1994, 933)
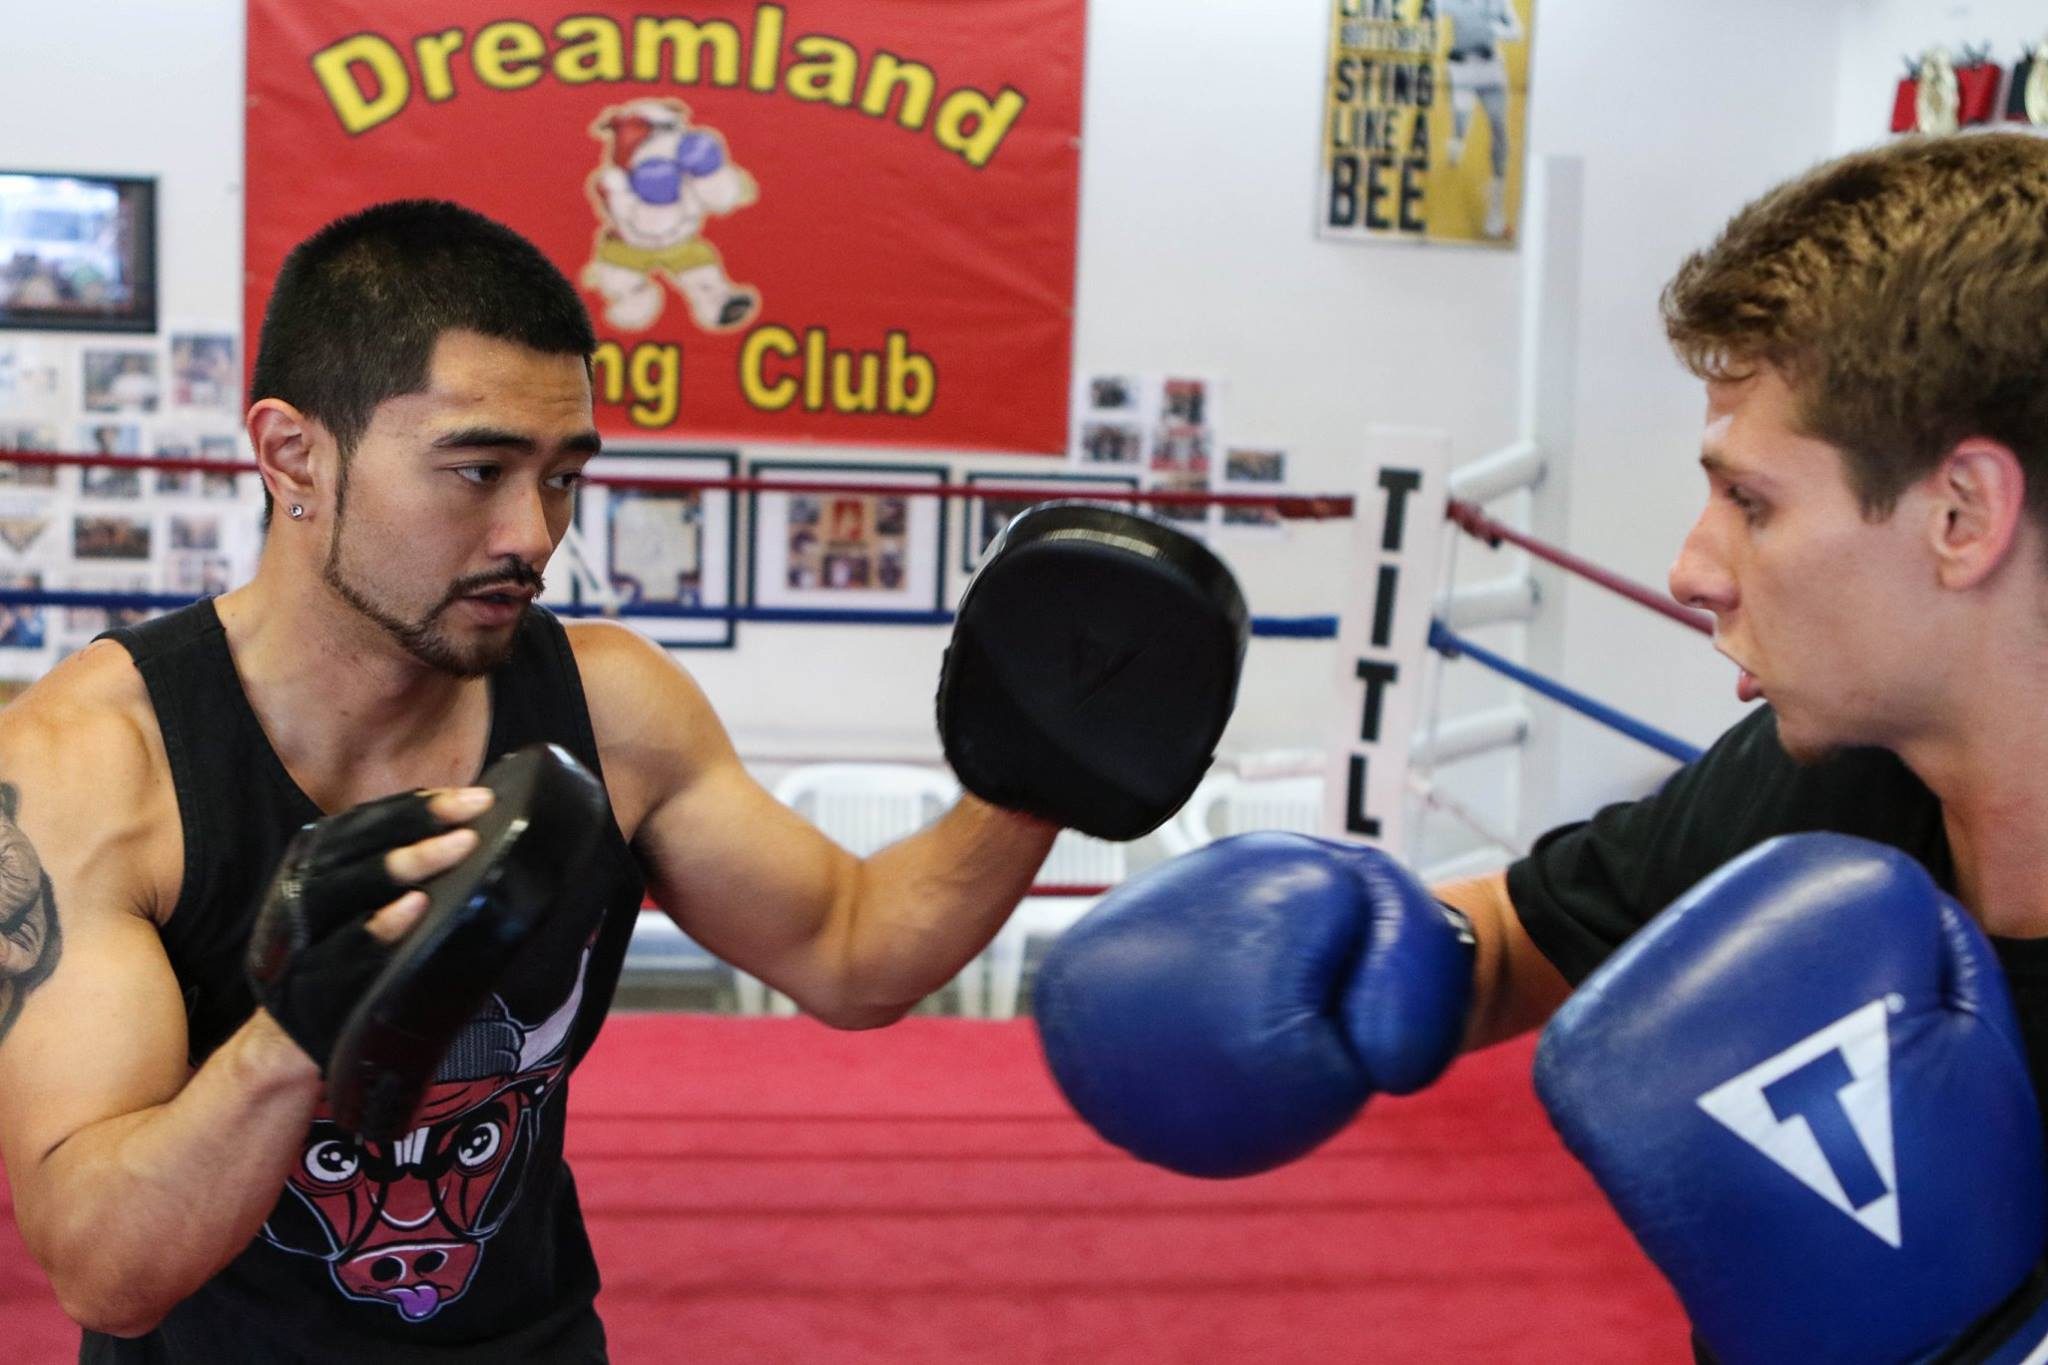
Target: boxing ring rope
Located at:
point(1507, 600)
point(1550, 316)
point(1290, 506)
point(1452, 646)
point(1294, 506)
point(1475, 522)
point(1436, 798)
point(1514, 598)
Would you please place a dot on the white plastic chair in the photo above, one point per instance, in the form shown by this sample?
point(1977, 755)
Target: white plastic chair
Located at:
point(1079, 859)
point(659, 949)
point(861, 807)
point(1227, 804)
point(1075, 860)
point(658, 945)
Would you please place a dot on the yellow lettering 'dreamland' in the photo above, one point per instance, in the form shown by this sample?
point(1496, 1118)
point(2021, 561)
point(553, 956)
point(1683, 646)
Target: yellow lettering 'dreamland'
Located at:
point(369, 81)
point(778, 369)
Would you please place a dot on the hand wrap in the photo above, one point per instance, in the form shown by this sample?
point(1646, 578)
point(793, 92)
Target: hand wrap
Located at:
point(310, 957)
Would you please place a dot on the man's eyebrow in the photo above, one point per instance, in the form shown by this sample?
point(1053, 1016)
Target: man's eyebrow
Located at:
point(497, 438)
point(1720, 467)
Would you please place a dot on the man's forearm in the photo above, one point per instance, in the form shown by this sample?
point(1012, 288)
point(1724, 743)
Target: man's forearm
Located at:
point(130, 1215)
point(1515, 988)
point(925, 905)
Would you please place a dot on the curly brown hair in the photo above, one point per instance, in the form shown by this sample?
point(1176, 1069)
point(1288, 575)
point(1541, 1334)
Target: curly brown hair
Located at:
point(1902, 292)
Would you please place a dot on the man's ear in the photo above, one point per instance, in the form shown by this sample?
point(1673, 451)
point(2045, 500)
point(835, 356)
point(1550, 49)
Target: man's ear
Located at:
point(1978, 495)
point(285, 441)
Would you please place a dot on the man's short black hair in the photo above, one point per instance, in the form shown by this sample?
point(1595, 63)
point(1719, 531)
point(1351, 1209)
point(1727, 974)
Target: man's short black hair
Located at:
point(358, 307)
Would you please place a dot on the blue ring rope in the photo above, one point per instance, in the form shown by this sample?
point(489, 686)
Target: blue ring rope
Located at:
point(1441, 639)
point(1445, 642)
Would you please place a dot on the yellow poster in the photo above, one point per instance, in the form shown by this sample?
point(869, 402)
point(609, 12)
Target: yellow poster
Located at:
point(1425, 115)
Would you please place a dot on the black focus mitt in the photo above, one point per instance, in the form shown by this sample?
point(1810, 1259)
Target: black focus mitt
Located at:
point(533, 844)
point(1093, 666)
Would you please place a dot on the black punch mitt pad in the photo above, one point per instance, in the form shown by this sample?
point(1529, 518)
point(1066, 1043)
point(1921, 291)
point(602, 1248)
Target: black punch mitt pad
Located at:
point(532, 848)
point(1093, 667)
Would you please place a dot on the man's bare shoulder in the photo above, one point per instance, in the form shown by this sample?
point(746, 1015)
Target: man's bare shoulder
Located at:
point(653, 726)
point(82, 761)
point(611, 646)
point(624, 673)
point(92, 704)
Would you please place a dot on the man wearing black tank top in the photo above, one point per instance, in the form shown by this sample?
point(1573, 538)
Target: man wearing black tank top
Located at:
point(421, 414)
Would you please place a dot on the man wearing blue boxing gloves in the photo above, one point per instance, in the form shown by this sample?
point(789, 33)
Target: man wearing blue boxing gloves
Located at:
point(1809, 1085)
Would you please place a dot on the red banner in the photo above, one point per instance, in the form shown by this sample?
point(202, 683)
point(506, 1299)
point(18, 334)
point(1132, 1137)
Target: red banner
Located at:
point(823, 220)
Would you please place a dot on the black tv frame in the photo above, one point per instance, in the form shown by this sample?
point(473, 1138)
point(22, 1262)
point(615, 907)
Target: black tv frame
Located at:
point(141, 314)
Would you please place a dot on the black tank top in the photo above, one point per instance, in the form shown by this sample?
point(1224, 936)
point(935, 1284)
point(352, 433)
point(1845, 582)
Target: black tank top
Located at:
point(462, 1241)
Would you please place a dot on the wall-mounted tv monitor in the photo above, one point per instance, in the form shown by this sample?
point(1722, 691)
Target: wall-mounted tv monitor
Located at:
point(77, 252)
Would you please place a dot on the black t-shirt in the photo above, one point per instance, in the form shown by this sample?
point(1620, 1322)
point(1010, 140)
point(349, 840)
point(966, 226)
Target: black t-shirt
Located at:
point(1586, 887)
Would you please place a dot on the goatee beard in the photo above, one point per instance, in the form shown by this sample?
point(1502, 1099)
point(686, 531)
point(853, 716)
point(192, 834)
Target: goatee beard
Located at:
point(423, 639)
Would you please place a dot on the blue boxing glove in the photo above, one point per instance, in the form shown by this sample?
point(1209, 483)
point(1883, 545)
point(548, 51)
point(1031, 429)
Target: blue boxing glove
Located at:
point(698, 153)
point(1229, 1010)
point(1804, 1090)
point(657, 180)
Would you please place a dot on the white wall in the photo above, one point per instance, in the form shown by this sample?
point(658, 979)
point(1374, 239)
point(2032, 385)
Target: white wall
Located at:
point(1200, 147)
point(1880, 34)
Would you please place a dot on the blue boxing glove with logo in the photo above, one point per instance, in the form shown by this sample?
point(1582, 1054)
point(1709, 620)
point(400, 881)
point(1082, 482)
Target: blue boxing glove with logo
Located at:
point(1229, 1010)
point(1804, 1090)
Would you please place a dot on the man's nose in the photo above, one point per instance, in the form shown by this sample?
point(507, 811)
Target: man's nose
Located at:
point(522, 530)
point(1699, 576)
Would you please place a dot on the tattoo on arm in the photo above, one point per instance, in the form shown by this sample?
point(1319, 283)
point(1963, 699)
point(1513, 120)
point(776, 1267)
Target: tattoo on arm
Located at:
point(29, 939)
